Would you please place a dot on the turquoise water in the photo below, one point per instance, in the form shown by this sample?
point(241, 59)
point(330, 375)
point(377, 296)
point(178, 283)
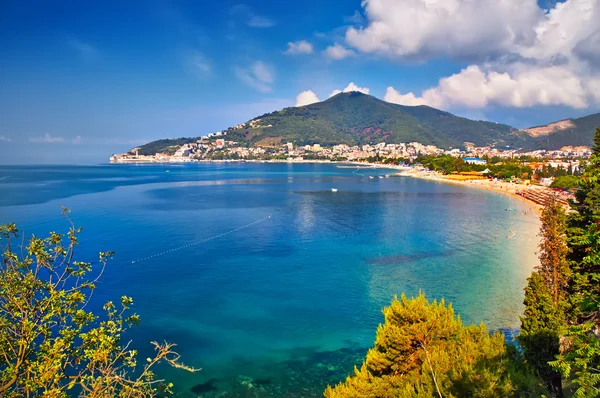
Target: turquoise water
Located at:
point(291, 301)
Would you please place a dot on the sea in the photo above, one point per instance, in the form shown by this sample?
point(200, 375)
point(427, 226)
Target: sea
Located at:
point(265, 277)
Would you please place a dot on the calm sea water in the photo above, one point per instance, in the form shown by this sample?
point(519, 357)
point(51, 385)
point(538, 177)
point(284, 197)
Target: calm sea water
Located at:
point(291, 301)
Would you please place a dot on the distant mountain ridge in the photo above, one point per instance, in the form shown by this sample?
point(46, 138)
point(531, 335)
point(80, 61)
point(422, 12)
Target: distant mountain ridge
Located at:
point(355, 118)
point(567, 132)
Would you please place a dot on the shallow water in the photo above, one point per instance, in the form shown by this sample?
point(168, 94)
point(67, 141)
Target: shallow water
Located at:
point(291, 301)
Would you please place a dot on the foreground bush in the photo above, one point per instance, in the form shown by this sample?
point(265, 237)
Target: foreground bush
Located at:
point(423, 350)
point(50, 344)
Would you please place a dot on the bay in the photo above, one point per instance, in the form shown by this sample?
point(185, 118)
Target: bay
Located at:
point(263, 276)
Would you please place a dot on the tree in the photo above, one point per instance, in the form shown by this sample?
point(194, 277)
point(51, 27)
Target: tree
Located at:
point(541, 327)
point(580, 357)
point(554, 267)
point(423, 350)
point(546, 298)
point(565, 182)
point(50, 343)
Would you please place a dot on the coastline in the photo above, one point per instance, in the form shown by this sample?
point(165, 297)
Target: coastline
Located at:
point(499, 187)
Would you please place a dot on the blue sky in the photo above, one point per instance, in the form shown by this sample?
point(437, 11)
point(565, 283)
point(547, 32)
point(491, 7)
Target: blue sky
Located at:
point(80, 80)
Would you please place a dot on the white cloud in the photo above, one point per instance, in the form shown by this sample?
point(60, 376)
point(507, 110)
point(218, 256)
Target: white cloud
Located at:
point(338, 52)
point(355, 19)
point(257, 21)
point(299, 47)
point(46, 139)
point(199, 64)
point(456, 28)
point(521, 56)
point(76, 140)
point(251, 19)
point(594, 89)
point(349, 88)
point(393, 96)
point(258, 75)
point(353, 87)
point(5, 139)
point(84, 49)
point(477, 88)
point(306, 98)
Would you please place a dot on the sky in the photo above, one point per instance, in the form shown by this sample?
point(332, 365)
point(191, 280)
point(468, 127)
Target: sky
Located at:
point(81, 80)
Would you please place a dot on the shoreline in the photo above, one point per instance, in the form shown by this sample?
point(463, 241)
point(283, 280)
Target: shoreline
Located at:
point(498, 187)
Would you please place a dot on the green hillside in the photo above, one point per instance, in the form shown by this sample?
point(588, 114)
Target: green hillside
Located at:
point(168, 145)
point(581, 134)
point(460, 129)
point(356, 118)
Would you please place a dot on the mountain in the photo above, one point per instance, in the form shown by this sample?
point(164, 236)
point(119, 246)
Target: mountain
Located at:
point(356, 118)
point(574, 132)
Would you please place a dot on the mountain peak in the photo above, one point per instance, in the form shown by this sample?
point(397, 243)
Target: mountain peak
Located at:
point(356, 118)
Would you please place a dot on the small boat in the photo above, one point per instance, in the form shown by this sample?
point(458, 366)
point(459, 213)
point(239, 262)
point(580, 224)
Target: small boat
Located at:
point(333, 189)
point(380, 176)
point(387, 176)
point(371, 177)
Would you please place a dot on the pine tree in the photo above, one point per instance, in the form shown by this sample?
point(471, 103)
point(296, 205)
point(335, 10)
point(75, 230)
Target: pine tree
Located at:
point(580, 359)
point(541, 325)
point(545, 299)
point(423, 350)
point(554, 267)
point(584, 240)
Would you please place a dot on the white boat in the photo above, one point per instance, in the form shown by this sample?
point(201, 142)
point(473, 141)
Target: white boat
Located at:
point(333, 189)
point(371, 177)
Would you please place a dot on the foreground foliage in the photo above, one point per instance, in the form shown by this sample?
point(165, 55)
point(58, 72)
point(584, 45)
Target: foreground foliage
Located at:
point(50, 344)
point(423, 350)
point(579, 359)
point(546, 299)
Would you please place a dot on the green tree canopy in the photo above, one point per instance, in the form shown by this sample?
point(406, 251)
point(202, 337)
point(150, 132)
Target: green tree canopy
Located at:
point(566, 182)
point(51, 345)
point(423, 350)
point(579, 359)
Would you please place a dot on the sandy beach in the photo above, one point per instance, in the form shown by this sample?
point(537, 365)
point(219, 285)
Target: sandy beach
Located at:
point(497, 186)
point(501, 187)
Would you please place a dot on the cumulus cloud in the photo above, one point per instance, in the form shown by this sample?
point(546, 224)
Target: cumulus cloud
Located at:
point(353, 87)
point(46, 139)
point(393, 96)
point(5, 139)
point(306, 98)
point(337, 52)
point(477, 88)
point(299, 47)
point(349, 88)
point(456, 28)
point(258, 75)
point(520, 55)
